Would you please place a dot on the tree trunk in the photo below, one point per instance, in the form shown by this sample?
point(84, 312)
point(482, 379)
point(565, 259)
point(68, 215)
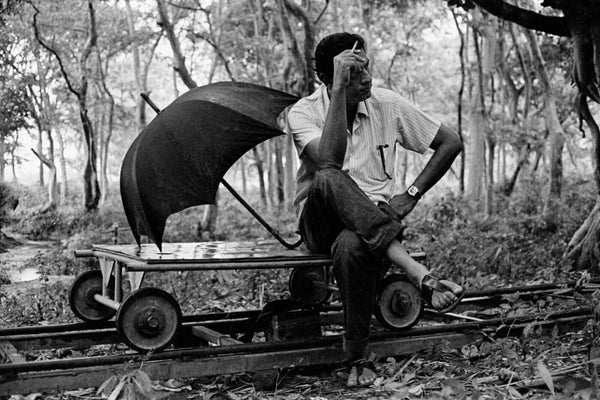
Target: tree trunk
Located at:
point(91, 184)
point(135, 52)
point(305, 80)
point(90, 177)
point(260, 174)
point(40, 149)
point(271, 184)
point(278, 166)
point(105, 141)
point(521, 161)
point(459, 102)
point(209, 217)
point(178, 59)
point(242, 164)
point(64, 188)
point(2, 157)
point(477, 129)
point(554, 128)
point(52, 185)
point(584, 246)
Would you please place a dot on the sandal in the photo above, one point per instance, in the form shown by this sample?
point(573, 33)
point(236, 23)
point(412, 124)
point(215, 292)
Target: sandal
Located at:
point(431, 283)
point(360, 366)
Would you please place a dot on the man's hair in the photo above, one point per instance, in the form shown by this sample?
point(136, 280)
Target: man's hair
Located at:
point(329, 47)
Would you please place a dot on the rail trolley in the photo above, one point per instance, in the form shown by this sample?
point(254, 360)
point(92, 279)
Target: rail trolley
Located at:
point(177, 161)
point(149, 318)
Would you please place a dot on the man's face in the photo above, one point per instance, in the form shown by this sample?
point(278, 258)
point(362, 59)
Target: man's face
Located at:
point(359, 88)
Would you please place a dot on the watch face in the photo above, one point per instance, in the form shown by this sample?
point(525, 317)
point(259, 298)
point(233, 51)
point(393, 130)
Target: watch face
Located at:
point(413, 191)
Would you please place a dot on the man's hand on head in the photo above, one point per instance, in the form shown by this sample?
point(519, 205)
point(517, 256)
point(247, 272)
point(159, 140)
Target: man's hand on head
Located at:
point(403, 204)
point(343, 65)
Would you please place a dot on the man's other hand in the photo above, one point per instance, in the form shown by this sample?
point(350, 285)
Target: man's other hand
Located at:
point(403, 204)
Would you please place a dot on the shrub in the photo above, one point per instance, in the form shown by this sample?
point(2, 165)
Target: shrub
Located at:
point(8, 202)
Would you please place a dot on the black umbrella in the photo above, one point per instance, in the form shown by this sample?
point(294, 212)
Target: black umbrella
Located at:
point(180, 158)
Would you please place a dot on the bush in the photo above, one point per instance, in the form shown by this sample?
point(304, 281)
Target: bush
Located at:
point(8, 202)
point(514, 246)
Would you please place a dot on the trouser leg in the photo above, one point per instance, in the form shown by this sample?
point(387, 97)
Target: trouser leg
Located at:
point(338, 218)
point(357, 274)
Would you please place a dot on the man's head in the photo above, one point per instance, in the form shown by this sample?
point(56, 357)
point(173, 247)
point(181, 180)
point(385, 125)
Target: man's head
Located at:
point(329, 47)
point(359, 85)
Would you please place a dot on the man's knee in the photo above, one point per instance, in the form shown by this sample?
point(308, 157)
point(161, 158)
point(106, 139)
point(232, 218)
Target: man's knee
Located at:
point(327, 176)
point(349, 245)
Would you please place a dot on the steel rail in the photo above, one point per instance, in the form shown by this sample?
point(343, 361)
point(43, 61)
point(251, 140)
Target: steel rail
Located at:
point(270, 362)
point(85, 326)
point(288, 344)
point(482, 296)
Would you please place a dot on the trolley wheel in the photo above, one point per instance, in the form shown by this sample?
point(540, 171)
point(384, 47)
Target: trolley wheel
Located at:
point(149, 319)
point(398, 304)
point(81, 297)
point(302, 288)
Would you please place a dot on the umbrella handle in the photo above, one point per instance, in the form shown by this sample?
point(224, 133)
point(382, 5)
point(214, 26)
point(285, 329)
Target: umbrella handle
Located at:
point(148, 100)
point(260, 219)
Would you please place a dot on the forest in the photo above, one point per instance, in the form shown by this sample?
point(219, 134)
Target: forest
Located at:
point(517, 80)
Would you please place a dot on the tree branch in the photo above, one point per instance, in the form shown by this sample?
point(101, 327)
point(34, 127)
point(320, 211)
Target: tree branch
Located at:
point(178, 58)
point(53, 52)
point(527, 19)
point(309, 41)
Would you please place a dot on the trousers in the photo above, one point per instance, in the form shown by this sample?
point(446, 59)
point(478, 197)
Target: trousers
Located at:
point(339, 219)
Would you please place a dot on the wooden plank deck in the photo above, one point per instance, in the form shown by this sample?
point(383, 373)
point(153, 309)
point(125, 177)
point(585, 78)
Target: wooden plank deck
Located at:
point(251, 254)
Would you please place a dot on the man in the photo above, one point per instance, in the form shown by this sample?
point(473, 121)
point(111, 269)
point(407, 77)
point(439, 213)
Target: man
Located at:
point(346, 134)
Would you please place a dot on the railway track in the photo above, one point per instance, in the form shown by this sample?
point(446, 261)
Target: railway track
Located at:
point(220, 343)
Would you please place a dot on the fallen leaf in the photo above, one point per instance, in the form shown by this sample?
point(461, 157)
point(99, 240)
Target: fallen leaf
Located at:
point(400, 394)
point(514, 393)
point(546, 375)
point(393, 386)
point(416, 390)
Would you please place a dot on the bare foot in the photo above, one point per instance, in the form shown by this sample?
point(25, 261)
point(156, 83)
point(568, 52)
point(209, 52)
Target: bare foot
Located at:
point(362, 373)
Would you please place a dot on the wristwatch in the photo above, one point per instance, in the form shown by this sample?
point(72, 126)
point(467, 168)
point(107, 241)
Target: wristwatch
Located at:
point(414, 191)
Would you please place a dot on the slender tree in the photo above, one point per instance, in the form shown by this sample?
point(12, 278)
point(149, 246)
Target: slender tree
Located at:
point(91, 184)
point(579, 22)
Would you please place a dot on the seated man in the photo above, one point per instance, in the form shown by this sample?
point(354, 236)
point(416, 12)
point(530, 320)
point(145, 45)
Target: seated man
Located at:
point(346, 134)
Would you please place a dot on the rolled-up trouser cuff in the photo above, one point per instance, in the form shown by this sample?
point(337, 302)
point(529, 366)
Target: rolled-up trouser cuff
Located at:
point(391, 233)
point(355, 349)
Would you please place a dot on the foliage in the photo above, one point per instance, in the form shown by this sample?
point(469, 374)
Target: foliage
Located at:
point(8, 202)
point(494, 252)
point(47, 304)
point(69, 222)
point(515, 244)
point(14, 109)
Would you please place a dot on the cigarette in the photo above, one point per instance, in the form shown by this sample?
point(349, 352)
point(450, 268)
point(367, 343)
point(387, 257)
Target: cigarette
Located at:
point(354, 47)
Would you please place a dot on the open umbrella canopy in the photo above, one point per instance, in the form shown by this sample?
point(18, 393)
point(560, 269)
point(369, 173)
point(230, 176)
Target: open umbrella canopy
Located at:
point(179, 159)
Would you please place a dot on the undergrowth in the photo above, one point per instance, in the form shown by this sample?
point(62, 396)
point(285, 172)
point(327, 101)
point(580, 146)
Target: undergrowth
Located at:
point(515, 246)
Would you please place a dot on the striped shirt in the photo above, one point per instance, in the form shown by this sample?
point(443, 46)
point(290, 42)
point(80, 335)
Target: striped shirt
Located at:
point(382, 120)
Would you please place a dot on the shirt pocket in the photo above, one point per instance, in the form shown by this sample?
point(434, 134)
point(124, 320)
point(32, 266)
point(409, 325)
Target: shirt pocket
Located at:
point(383, 167)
